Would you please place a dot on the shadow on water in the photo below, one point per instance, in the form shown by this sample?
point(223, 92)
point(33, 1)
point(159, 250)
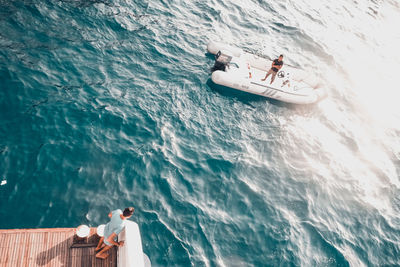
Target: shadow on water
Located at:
point(209, 55)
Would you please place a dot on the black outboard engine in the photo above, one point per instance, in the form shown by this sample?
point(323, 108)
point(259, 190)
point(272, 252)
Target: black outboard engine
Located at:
point(221, 61)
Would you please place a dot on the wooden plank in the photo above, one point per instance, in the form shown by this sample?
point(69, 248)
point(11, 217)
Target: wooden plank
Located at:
point(88, 260)
point(49, 247)
point(46, 247)
point(2, 237)
point(57, 241)
point(41, 252)
point(100, 262)
point(81, 253)
point(68, 257)
point(73, 257)
point(21, 249)
point(7, 252)
point(6, 241)
point(37, 238)
point(31, 247)
point(3, 247)
point(17, 245)
point(58, 245)
point(77, 256)
point(10, 250)
point(35, 248)
point(73, 253)
point(28, 249)
point(65, 248)
point(59, 251)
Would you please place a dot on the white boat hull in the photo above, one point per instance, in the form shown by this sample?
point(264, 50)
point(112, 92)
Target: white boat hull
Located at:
point(246, 71)
point(131, 253)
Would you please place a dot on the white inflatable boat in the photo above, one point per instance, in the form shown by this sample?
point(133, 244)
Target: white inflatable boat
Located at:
point(243, 71)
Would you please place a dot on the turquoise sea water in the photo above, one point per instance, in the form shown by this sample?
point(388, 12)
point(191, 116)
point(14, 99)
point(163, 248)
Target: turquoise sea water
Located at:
point(107, 104)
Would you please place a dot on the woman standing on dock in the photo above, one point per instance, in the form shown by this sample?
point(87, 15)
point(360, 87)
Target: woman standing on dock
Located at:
point(111, 231)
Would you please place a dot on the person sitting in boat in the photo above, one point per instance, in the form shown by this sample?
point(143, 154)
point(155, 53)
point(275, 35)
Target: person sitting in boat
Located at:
point(111, 231)
point(276, 66)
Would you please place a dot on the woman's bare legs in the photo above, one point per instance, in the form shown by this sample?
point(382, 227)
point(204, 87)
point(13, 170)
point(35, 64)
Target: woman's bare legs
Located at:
point(102, 253)
point(100, 244)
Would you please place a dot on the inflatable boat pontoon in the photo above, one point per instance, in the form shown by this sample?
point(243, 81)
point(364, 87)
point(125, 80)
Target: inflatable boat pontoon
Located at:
point(243, 71)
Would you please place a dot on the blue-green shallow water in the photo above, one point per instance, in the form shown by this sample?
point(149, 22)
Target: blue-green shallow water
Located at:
point(108, 104)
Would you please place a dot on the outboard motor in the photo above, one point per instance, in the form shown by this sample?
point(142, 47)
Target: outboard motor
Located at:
point(221, 61)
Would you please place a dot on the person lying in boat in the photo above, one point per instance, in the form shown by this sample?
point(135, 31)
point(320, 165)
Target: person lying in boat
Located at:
point(111, 231)
point(276, 66)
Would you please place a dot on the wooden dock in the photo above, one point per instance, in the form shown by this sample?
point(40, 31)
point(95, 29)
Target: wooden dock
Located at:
point(51, 247)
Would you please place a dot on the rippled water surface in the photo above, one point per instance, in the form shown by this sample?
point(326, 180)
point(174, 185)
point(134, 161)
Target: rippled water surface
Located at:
point(105, 104)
